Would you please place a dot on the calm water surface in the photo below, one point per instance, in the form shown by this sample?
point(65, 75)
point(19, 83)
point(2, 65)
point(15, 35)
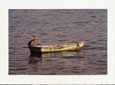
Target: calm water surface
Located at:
point(57, 27)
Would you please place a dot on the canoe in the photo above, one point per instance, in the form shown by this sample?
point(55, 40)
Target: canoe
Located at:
point(57, 48)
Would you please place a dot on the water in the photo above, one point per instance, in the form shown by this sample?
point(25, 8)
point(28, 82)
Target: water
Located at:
point(57, 27)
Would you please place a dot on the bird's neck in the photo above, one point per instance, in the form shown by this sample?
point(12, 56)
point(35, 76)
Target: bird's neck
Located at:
point(35, 38)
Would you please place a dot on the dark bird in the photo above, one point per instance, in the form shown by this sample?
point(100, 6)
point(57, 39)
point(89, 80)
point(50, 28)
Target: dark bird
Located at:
point(32, 42)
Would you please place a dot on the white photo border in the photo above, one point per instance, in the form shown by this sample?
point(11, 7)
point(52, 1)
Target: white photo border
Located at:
point(5, 78)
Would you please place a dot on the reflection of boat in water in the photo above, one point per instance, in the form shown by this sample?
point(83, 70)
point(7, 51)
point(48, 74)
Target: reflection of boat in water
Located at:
point(33, 59)
point(53, 48)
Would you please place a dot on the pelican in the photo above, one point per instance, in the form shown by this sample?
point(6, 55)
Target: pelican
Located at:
point(32, 42)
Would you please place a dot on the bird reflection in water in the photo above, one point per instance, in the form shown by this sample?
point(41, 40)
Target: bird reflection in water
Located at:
point(34, 59)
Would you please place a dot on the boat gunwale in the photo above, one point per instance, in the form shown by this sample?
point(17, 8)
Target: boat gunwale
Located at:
point(66, 45)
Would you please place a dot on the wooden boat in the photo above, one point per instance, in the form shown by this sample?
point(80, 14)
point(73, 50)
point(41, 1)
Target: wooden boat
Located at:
point(62, 54)
point(57, 48)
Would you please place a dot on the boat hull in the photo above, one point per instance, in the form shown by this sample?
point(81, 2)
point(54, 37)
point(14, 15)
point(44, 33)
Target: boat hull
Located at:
point(57, 48)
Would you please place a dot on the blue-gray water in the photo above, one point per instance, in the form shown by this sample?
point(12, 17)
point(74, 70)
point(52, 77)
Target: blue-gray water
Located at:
point(57, 27)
